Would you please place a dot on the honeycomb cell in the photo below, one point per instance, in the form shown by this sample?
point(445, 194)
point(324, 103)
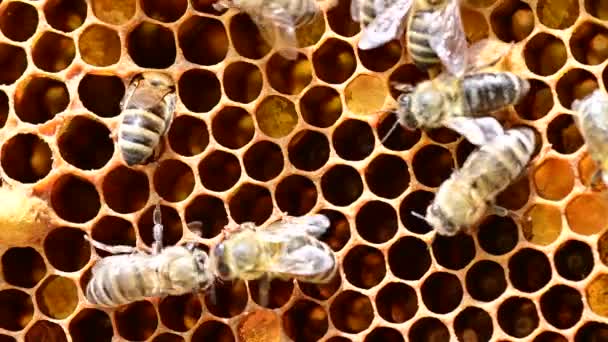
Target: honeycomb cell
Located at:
point(305, 321)
point(589, 43)
point(473, 324)
point(387, 176)
point(308, 150)
point(592, 331)
point(57, 297)
point(26, 158)
point(586, 214)
point(549, 336)
point(602, 247)
point(334, 61)
point(415, 202)
point(338, 233)
point(219, 171)
point(18, 21)
point(125, 190)
point(381, 58)
point(260, 325)
point(172, 226)
point(557, 14)
point(409, 258)
point(289, 76)
point(321, 106)
point(497, 235)
point(242, 81)
point(543, 224)
point(199, 90)
point(537, 102)
point(6, 338)
point(168, 337)
point(384, 334)
point(213, 331)
point(475, 25)
point(575, 84)
point(173, 180)
point(16, 309)
point(545, 54)
point(203, 40)
point(351, 312)
point(165, 11)
point(113, 12)
point(321, 291)
point(296, 195)
point(310, 33)
point(250, 203)
point(574, 260)
point(406, 74)
point(180, 313)
point(545, 175)
point(210, 211)
point(246, 37)
point(74, 199)
point(88, 151)
point(515, 195)
point(279, 293)
point(364, 266)
point(517, 316)
point(587, 169)
point(53, 52)
point(232, 127)
point(353, 140)
point(397, 302)
point(441, 292)
point(562, 306)
point(263, 161)
point(512, 20)
point(365, 94)
point(113, 230)
point(13, 63)
point(563, 134)
point(338, 339)
point(485, 281)
point(45, 331)
point(3, 108)
point(63, 239)
point(442, 162)
point(341, 185)
point(137, 321)
point(529, 270)
point(597, 298)
point(99, 45)
point(38, 99)
point(377, 222)
point(429, 329)
point(400, 139)
point(91, 325)
point(454, 252)
point(276, 116)
point(230, 299)
point(340, 20)
point(188, 135)
point(112, 89)
point(442, 135)
point(65, 15)
point(23, 267)
point(152, 46)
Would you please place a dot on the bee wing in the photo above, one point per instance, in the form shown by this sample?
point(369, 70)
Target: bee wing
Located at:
point(275, 21)
point(387, 26)
point(478, 131)
point(485, 53)
point(448, 39)
point(306, 261)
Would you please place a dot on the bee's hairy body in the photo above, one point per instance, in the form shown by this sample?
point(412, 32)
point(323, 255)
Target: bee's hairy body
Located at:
point(301, 12)
point(593, 123)
point(418, 36)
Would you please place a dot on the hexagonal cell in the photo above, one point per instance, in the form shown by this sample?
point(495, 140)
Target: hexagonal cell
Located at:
point(199, 90)
point(416, 201)
point(338, 233)
point(321, 106)
point(321, 291)
point(544, 224)
point(168, 337)
point(57, 297)
point(308, 150)
point(384, 334)
point(563, 134)
point(16, 309)
point(276, 116)
point(512, 20)
point(353, 140)
point(537, 102)
point(400, 139)
point(110, 86)
point(165, 11)
point(529, 270)
point(557, 14)
point(341, 185)
point(53, 52)
point(351, 312)
point(364, 266)
point(545, 175)
point(549, 336)
point(562, 306)
point(587, 168)
point(173, 180)
point(210, 211)
point(585, 214)
point(442, 135)
point(113, 12)
point(516, 195)
point(409, 251)
point(279, 293)
point(517, 316)
point(497, 235)
point(473, 323)
point(69, 187)
point(589, 43)
point(13, 63)
point(45, 330)
point(99, 45)
point(213, 331)
point(575, 84)
point(188, 135)
point(334, 61)
point(485, 281)
point(246, 37)
point(85, 151)
point(597, 298)
point(26, 158)
point(289, 76)
point(602, 247)
point(3, 108)
point(263, 161)
point(311, 32)
point(51, 97)
point(151, 46)
point(113, 230)
point(454, 252)
point(296, 195)
point(476, 27)
point(137, 321)
point(397, 302)
point(442, 162)
point(305, 321)
point(219, 171)
point(65, 15)
point(23, 267)
point(230, 299)
point(242, 81)
point(62, 240)
point(429, 329)
point(125, 190)
point(441, 292)
point(232, 127)
point(205, 49)
point(592, 331)
point(381, 58)
point(91, 325)
point(180, 313)
point(262, 325)
point(376, 221)
point(19, 21)
point(406, 74)
point(574, 260)
point(6, 338)
point(545, 54)
point(365, 94)
point(172, 225)
point(340, 20)
point(250, 203)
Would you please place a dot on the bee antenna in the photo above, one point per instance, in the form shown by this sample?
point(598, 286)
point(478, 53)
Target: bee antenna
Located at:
point(415, 214)
point(390, 131)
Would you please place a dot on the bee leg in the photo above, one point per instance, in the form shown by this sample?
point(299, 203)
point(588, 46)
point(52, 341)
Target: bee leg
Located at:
point(264, 289)
point(157, 230)
point(119, 249)
point(498, 210)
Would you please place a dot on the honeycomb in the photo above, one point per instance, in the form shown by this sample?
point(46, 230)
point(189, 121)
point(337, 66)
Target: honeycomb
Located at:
point(256, 135)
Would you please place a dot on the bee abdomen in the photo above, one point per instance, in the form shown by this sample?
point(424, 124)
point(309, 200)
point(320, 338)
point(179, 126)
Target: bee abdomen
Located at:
point(418, 41)
point(488, 92)
point(139, 134)
point(117, 283)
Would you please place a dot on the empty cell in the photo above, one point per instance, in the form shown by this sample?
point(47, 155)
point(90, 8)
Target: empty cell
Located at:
point(230, 300)
point(26, 158)
point(242, 81)
point(429, 329)
point(6, 338)
point(276, 116)
point(387, 176)
point(575, 84)
point(91, 325)
point(321, 291)
point(340, 20)
point(250, 203)
point(602, 247)
point(199, 90)
point(151, 46)
point(23, 267)
point(45, 330)
point(126, 190)
point(497, 235)
point(53, 52)
point(400, 139)
point(597, 297)
point(365, 94)
point(545, 175)
point(232, 127)
point(113, 12)
point(219, 171)
point(40, 98)
point(246, 37)
point(353, 140)
point(165, 11)
point(308, 150)
point(87, 151)
point(475, 24)
point(173, 180)
point(113, 230)
point(545, 54)
point(454, 252)
point(66, 249)
point(168, 337)
point(442, 135)
point(485, 280)
point(263, 160)
point(172, 226)
point(338, 233)
point(279, 293)
point(574, 260)
point(351, 312)
point(341, 185)
point(549, 336)
point(529, 270)
point(99, 45)
point(180, 313)
point(586, 214)
point(592, 331)
point(409, 258)
point(65, 15)
point(589, 43)
point(543, 224)
point(213, 331)
point(16, 309)
point(334, 61)
point(537, 102)
point(92, 86)
point(18, 21)
point(75, 199)
point(364, 266)
point(381, 58)
point(397, 302)
point(57, 297)
point(296, 195)
point(440, 158)
point(4, 109)
point(557, 14)
point(416, 201)
point(562, 306)
point(188, 135)
point(289, 76)
point(13, 63)
point(137, 321)
point(377, 222)
point(473, 323)
point(441, 292)
point(210, 211)
point(260, 325)
point(321, 106)
point(517, 316)
point(202, 40)
point(305, 321)
point(384, 334)
point(516, 195)
point(406, 74)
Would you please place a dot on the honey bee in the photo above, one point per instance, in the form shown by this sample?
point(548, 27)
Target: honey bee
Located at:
point(286, 249)
point(147, 113)
point(592, 120)
point(464, 198)
point(133, 274)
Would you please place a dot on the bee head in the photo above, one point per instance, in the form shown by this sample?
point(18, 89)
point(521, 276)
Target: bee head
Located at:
point(437, 219)
point(158, 80)
point(405, 115)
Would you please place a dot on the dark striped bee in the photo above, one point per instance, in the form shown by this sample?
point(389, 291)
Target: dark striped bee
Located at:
point(147, 113)
point(133, 274)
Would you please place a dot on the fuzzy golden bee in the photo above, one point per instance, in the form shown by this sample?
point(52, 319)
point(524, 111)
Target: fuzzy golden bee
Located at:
point(463, 199)
point(147, 112)
point(132, 274)
point(286, 249)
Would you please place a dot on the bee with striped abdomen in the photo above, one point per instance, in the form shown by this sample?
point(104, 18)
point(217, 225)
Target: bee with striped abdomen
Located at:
point(147, 112)
point(133, 274)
